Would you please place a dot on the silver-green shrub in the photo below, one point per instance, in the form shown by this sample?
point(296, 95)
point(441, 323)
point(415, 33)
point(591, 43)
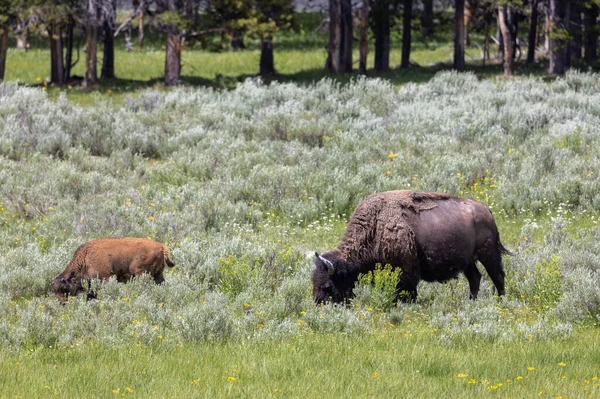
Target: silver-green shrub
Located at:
point(243, 184)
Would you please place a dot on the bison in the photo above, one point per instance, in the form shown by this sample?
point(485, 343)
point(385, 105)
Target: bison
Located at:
point(429, 236)
point(107, 257)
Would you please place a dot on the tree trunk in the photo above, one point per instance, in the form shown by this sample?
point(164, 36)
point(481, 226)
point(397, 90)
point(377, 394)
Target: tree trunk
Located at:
point(500, 43)
point(136, 4)
point(335, 35)
point(347, 39)
point(364, 37)
point(91, 57)
point(532, 35)
point(56, 60)
point(567, 22)
point(557, 43)
point(69, 53)
point(486, 42)
point(267, 65)
point(590, 38)
point(507, 39)
point(108, 61)
point(406, 31)
point(467, 19)
point(547, 28)
point(3, 51)
point(381, 28)
point(459, 35)
point(512, 22)
point(173, 59)
point(576, 28)
point(91, 42)
point(427, 18)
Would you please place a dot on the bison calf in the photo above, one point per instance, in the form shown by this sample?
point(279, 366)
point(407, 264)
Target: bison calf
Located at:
point(107, 257)
point(429, 236)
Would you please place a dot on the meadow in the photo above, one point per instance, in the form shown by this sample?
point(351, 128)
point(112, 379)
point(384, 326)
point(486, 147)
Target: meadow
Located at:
point(244, 185)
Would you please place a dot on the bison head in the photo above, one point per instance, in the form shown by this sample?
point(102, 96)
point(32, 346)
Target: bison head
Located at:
point(64, 287)
point(330, 280)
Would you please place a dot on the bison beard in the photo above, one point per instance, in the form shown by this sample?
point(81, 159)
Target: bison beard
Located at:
point(429, 236)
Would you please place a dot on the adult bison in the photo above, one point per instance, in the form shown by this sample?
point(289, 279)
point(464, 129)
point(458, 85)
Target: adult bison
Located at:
point(107, 257)
point(429, 236)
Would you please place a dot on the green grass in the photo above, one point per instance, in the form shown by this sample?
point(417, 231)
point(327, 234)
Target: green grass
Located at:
point(406, 361)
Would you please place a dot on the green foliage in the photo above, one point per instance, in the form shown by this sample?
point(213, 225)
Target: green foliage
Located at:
point(377, 288)
point(237, 274)
point(547, 283)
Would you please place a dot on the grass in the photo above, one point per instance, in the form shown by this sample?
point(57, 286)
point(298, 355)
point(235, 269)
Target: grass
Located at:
point(407, 359)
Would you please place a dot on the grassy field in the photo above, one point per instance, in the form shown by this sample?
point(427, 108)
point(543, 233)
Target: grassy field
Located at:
point(245, 184)
point(403, 360)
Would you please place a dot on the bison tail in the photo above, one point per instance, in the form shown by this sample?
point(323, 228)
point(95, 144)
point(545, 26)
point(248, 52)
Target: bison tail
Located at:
point(504, 251)
point(167, 254)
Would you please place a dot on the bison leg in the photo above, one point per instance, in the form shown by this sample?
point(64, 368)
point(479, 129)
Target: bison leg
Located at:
point(474, 276)
point(159, 279)
point(493, 265)
point(406, 290)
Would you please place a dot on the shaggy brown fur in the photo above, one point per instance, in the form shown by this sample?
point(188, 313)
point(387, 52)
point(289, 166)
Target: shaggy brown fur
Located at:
point(107, 257)
point(430, 236)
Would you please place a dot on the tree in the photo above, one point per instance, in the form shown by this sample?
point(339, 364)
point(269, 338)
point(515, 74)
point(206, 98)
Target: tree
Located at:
point(507, 39)
point(558, 38)
point(427, 23)
point(138, 5)
point(172, 21)
point(532, 35)
point(92, 18)
point(339, 58)
point(381, 30)
point(7, 16)
point(267, 17)
point(346, 39)
point(590, 39)
point(335, 36)
point(363, 37)
point(232, 17)
point(576, 29)
point(459, 35)
point(406, 30)
point(108, 26)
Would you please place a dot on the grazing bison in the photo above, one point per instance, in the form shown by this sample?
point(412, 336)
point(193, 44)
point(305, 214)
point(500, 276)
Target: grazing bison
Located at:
point(107, 257)
point(429, 236)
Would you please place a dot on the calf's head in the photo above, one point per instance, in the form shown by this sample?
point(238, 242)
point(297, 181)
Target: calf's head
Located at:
point(65, 287)
point(330, 281)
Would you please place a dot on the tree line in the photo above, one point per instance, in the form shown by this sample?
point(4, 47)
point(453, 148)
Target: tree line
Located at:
point(569, 30)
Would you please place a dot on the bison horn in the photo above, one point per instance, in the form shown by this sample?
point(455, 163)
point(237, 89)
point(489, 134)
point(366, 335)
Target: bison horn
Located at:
point(328, 263)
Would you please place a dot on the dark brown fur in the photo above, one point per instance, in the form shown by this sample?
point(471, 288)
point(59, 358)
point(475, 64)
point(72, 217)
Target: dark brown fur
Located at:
point(430, 236)
point(107, 257)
